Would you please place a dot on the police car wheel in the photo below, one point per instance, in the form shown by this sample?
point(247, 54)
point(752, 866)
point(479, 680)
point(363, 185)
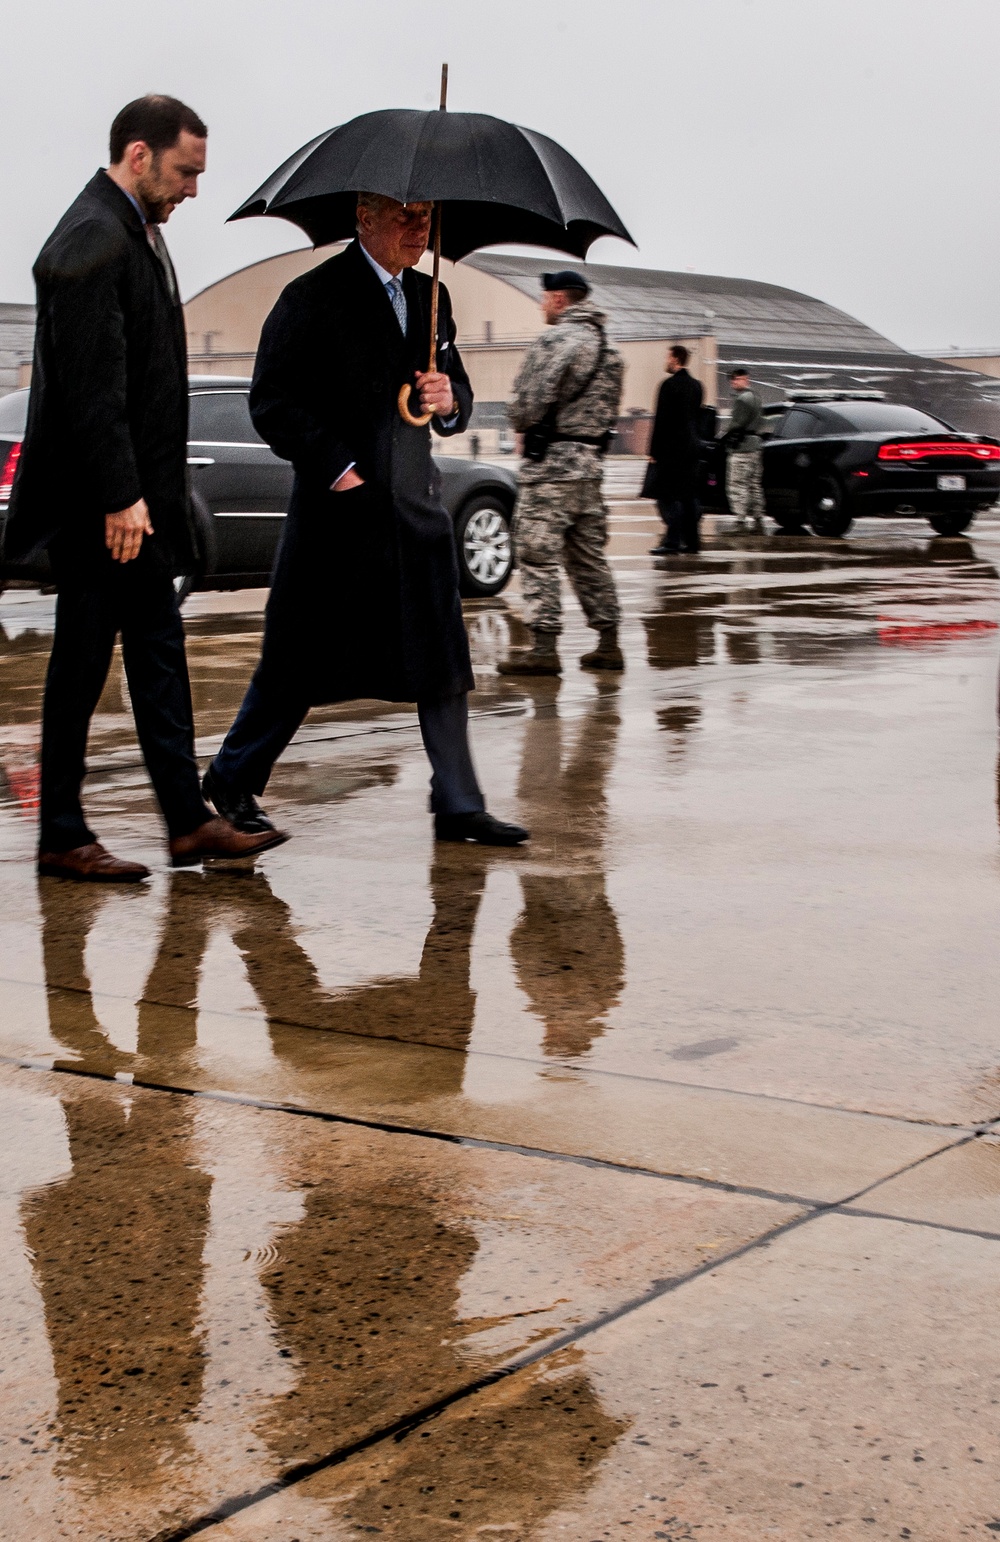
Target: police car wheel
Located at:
point(485, 548)
point(950, 524)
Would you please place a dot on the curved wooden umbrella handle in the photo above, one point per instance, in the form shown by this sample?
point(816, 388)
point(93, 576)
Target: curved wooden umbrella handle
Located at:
point(403, 402)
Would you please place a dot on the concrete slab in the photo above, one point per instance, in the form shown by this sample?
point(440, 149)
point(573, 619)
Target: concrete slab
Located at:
point(837, 1382)
point(197, 1298)
point(786, 1149)
point(961, 1188)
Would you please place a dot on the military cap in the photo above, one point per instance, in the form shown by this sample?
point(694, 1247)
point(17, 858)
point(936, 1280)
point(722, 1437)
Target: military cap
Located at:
point(566, 278)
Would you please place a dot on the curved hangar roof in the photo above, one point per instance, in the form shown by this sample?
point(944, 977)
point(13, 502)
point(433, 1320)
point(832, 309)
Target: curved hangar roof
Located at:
point(645, 303)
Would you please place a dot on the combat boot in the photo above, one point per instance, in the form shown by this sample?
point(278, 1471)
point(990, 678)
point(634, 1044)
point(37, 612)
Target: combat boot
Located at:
point(607, 654)
point(542, 658)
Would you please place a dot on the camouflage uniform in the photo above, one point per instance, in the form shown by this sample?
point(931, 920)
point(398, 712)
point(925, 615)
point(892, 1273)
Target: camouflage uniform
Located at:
point(745, 486)
point(744, 464)
point(561, 514)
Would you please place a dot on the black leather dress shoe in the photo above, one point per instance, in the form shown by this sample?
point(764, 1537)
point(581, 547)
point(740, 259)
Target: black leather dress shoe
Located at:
point(664, 551)
point(240, 808)
point(481, 828)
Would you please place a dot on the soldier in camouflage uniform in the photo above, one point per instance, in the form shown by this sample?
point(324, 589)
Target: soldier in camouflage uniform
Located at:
point(572, 380)
point(744, 461)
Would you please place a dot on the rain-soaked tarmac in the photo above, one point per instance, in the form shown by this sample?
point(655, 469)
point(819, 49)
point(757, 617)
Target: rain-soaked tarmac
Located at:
point(641, 1183)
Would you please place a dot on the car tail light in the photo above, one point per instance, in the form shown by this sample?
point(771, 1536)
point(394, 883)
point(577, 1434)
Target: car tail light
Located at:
point(7, 475)
point(923, 449)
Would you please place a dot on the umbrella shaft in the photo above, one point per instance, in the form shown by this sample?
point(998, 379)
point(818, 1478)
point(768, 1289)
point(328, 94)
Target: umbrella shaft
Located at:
point(435, 284)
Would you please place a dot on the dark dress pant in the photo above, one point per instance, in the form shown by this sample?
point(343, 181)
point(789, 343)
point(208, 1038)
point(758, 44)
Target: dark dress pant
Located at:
point(680, 510)
point(682, 517)
point(95, 605)
point(266, 724)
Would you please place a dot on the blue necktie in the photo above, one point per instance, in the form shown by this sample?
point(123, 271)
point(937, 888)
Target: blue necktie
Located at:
point(398, 299)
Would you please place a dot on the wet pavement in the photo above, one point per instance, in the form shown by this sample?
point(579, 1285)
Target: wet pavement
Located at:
point(644, 1182)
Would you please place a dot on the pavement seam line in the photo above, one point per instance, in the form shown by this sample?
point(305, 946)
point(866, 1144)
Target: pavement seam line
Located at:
point(446, 1137)
point(399, 1428)
point(566, 1065)
point(916, 1220)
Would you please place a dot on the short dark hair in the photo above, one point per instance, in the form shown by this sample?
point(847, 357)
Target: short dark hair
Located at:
point(680, 353)
point(158, 121)
point(739, 369)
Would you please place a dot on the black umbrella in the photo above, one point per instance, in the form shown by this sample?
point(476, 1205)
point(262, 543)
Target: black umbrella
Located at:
point(491, 181)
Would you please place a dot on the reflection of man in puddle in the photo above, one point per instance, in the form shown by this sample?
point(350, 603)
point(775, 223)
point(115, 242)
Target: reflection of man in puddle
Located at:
point(434, 1007)
point(363, 1288)
point(566, 945)
point(117, 1248)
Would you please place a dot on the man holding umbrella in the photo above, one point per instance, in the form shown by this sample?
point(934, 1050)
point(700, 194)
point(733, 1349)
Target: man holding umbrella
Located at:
point(364, 601)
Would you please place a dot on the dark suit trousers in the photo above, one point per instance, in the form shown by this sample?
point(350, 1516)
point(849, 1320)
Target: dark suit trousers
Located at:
point(137, 600)
point(680, 510)
point(266, 724)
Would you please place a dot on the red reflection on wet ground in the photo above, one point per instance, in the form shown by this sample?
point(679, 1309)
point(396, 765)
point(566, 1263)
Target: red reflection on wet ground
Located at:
point(903, 634)
point(24, 784)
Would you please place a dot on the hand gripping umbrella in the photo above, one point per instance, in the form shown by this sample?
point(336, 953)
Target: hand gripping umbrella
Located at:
point(490, 182)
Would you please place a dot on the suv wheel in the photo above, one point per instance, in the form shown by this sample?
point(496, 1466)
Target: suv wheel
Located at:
point(485, 549)
point(825, 513)
point(950, 524)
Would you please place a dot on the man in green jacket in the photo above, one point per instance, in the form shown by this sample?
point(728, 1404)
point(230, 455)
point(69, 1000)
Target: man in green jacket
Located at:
point(744, 462)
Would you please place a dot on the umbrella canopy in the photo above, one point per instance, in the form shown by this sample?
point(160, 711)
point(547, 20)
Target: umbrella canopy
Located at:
point(496, 182)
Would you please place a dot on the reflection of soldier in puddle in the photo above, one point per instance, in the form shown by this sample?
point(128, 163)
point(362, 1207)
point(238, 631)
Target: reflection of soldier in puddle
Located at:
point(684, 635)
point(566, 945)
point(117, 1248)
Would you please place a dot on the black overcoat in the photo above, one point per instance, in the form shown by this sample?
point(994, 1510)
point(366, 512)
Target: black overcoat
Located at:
point(108, 411)
point(364, 597)
point(675, 436)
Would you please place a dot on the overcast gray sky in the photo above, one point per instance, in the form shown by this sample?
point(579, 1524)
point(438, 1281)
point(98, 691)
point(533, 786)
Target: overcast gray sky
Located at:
point(846, 148)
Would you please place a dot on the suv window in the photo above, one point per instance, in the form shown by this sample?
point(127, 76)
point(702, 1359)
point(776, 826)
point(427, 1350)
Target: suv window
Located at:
point(800, 424)
point(888, 417)
point(221, 417)
point(14, 413)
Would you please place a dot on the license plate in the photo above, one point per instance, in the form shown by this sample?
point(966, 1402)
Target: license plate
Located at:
point(951, 484)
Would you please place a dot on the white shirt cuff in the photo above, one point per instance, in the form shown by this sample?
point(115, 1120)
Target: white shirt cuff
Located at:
point(342, 474)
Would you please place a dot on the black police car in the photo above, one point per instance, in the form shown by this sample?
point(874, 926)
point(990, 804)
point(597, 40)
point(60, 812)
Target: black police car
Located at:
point(240, 491)
point(831, 457)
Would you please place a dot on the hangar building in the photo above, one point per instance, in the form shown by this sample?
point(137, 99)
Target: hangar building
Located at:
point(790, 341)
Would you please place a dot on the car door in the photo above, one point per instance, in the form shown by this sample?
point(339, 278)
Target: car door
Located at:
point(244, 485)
point(788, 457)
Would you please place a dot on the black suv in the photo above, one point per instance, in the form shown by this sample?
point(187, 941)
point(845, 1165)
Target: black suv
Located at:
point(240, 491)
point(830, 458)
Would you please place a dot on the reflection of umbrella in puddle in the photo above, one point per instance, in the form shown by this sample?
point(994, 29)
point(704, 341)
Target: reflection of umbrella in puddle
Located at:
point(490, 182)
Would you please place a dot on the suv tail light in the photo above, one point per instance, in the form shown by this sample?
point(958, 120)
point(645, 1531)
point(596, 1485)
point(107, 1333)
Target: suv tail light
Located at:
point(7, 475)
point(921, 449)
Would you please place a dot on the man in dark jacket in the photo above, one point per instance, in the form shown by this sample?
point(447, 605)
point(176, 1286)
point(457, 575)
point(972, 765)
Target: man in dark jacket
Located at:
point(364, 599)
point(102, 482)
point(675, 451)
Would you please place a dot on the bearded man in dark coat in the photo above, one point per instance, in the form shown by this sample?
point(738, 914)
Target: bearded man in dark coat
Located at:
point(102, 482)
point(364, 598)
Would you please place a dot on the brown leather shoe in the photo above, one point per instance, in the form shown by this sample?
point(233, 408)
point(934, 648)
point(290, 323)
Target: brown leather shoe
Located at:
point(218, 838)
point(90, 864)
